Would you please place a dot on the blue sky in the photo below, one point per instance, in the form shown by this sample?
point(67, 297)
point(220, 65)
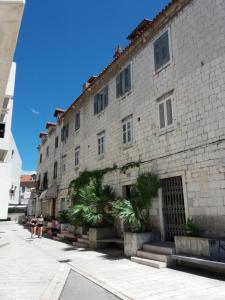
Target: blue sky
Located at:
point(61, 44)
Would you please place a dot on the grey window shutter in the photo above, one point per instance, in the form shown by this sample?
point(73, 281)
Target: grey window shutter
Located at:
point(62, 134)
point(127, 78)
point(165, 53)
point(118, 85)
point(105, 96)
point(95, 105)
point(161, 115)
point(169, 112)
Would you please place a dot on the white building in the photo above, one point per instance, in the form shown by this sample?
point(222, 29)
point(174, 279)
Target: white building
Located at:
point(10, 162)
point(159, 103)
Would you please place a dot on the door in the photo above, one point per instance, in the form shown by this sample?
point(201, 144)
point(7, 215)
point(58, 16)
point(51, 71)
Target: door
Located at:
point(173, 207)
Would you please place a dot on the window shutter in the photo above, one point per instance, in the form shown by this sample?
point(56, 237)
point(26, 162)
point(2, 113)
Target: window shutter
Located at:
point(169, 112)
point(157, 54)
point(62, 134)
point(105, 93)
point(161, 115)
point(95, 105)
point(165, 48)
point(118, 86)
point(127, 78)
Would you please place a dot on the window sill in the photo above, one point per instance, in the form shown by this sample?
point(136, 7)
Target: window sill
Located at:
point(167, 130)
point(128, 146)
point(98, 115)
point(101, 156)
point(162, 68)
point(124, 96)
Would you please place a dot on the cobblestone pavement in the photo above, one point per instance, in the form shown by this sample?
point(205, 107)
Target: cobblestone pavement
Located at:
point(27, 268)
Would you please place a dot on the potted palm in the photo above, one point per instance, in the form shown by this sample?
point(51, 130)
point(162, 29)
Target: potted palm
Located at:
point(93, 210)
point(135, 213)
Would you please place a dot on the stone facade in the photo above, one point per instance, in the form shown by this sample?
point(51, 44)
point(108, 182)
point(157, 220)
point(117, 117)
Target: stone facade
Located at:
point(193, 147)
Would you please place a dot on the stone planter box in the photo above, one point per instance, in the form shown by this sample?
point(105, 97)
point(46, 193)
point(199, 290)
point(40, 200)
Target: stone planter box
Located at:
point(213, 248)
point(195, 246)
point(96, 234)
point(67, 226)
point(135, 241)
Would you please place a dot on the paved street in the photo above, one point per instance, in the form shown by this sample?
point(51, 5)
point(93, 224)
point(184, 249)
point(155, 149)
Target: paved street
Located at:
point(28, 269)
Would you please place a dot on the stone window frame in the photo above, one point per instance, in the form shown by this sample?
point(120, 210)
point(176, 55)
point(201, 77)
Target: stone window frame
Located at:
point(128, 92)
point(125, 122)
point(163, 101)
point(77, 156)
point(167, 29)
point(101, 145)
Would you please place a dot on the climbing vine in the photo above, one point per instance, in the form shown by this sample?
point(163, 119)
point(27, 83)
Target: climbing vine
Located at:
point(96, 176)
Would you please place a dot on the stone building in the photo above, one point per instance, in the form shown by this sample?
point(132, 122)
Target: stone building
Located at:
point(160, 102)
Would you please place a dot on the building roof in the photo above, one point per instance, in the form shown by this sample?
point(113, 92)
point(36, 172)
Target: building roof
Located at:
point(26, 178)
point(140, 29)
point(155, 25)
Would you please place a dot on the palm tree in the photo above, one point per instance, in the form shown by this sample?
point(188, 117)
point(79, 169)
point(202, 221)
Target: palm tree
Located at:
point(135, 212)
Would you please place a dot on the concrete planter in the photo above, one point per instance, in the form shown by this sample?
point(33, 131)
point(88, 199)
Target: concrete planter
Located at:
point(135, 241)
point(213, 248)
point(195, 246)
point(96, 234)
point(67, 226)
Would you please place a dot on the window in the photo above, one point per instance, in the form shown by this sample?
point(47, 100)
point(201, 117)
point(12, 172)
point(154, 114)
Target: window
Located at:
point(101, 143)
point(101, 100)
point(123, 82)
point(62, 204)
point(77, 120)
point(2, 130)
point(40, 158)
point(47, 151)
point(127, 131)
point(56, 142)
point(45, 181)
point(165, 113)
point(63, 166)
point(161, 50)
point(55, 169)
point(77, 156)
point(65, 132)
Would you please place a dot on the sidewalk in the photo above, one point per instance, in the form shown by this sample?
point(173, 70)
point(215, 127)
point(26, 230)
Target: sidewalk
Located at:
point(27, 268)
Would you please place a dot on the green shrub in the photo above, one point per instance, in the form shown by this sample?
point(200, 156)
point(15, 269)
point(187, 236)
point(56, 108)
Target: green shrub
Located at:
point(135, 212)
point(191, 229)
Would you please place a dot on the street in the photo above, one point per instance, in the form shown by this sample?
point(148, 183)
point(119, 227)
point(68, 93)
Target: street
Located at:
point(38, 269)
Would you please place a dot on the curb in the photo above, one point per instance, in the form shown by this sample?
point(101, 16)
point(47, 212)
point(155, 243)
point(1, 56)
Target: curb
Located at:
point(55, 287)
point(3, 242)
point(100, 283)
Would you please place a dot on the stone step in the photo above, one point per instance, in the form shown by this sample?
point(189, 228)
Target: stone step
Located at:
point(149, 262)
point(82, 240)
point(161, 248)
point(67, 235)
point(200, 261)
point(85, 236)
point(80, 245)
point(154, 256)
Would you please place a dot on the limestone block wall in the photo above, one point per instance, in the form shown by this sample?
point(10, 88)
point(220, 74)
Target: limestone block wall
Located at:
point(194, 146)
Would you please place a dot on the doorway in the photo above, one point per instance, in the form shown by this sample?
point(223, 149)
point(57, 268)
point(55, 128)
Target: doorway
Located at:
point(173, 207)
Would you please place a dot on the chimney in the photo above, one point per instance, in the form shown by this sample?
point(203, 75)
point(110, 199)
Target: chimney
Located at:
point(89, 82)
point(118, 51)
